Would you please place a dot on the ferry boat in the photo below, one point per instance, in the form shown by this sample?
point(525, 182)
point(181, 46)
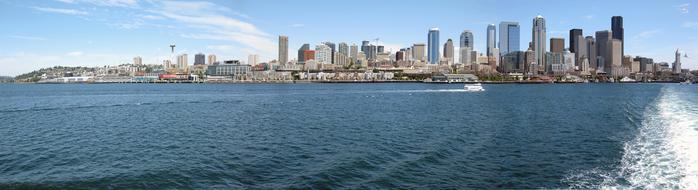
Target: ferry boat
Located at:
point(477, 87)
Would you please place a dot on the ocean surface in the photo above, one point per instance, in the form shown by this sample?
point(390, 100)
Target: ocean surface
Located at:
point(348, 136)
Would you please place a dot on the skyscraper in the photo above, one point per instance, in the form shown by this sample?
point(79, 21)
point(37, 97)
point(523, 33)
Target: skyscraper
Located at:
point(433, 46)
point(252, 59)
point(344, 49)
point(182, 62)
point(333, 49)
point(199, 59)
point(574, 34)
point(613, 57)
point(323, 54)
point(138, 60)
point(491, 39)
point(283, 49)
point(676, 67)
point(448, 51)
point(509, 35)
point(418, 52)
point(211, 59)
point(353, 52)
point(591, 51)
point(618, 33)
point(301, 53)
point(557, 45)
point(539, 39)
point(466, 46)
point(603, 38)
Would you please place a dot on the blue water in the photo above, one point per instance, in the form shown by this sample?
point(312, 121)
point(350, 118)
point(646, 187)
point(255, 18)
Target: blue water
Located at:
point(353, 136)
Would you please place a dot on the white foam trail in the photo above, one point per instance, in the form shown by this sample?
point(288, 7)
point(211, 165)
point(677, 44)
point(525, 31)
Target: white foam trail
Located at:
point(664, 155)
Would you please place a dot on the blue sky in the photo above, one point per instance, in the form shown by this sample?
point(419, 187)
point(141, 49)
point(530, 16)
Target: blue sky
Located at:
point(45, 33)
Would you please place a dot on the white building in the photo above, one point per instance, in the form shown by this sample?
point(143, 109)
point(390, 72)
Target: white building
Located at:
point(323, 54)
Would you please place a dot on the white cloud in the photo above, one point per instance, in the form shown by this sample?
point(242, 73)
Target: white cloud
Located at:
point(33, 38)
point(61, 11)
point(590, 16)
point(220, 47)
point(297, 25)
point(646, 34)
point(683, 8)
point(74, 53)
point(109, 3)
point(693, 25)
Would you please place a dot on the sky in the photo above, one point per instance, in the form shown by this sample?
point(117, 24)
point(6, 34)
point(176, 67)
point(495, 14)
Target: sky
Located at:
point(46, 33)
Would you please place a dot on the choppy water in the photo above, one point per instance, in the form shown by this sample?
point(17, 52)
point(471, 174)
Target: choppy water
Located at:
point(354, 136)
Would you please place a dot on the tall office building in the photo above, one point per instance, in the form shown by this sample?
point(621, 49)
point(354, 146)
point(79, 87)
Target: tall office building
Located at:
point(509, 34)
point(380, 49)
point(466, 46)
point(574, 40)
point(448, 51)
point(182, 62)
point(344, 49)
point(433, 46)
point(557, 45)
point(538, 41)
point(603, 38)
point(301, 53)
point(211, 59)
point(418, 52)
point(323, 54)
point(581, 50)
point(618, 32)
point(138, 60)
point(353, 51)
point(199, 59)
point(333, 49)
point(283, 49)
point(676, 67)
point(613, 58)
point(591, 51)
point(364, 47)
point(491, 39)
point(252, 59)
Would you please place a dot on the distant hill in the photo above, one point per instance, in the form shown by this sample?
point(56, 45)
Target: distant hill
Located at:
point(4, 79)
point(56, 71)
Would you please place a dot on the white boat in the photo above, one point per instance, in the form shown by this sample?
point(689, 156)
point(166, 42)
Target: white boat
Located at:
point(477, 87)
point(686, 82)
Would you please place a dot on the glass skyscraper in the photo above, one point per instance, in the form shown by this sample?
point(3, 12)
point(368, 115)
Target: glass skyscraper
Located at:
point(433, 46)
point(509, 37)
point(491, 39)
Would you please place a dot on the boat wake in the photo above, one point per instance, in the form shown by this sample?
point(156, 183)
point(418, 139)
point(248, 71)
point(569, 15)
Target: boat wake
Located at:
point(663, 155)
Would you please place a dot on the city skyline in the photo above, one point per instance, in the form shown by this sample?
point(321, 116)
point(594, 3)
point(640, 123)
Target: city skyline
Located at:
point(84, 34)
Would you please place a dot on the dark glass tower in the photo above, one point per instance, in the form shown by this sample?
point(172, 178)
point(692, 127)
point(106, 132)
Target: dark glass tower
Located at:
point(617, 29)
point(574, 34)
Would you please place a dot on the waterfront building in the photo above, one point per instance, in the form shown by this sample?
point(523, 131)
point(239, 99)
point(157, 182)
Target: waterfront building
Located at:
point(538, 42)
point(491, 39)
point(433, 46)
point(199, 59)
point(283, 49)
point(557, 45)
point(211, 59)
point(575, 34)
point(301, 53)
point(418, 52)
point(323, 54)
point(448, 51)
point(513, 62)
point(645, 64)
point(466, 46)
point(253, 59)
point(232, 69)
point(618, 32)
point(509, 37)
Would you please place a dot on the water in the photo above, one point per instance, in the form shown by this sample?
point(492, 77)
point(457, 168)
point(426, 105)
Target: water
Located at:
point(351, 136)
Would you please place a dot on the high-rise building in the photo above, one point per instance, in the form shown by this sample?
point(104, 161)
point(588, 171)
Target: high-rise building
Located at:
point(581, 48)
point(333, 49)
point(433, 46)
point(509, 37)
point(365, 45)
point(491, 39)
point(199, 59)
point(253, 59)
point(283, 49)
point(353, 52)
point(603, 38)
point(645, 63)
point(466, 46)
point(182, 62)
point(448, 51)
point(418, 52)
point(618, 31)
point(308, 55)
point(676, 67)
point(301, 53)
point(323, 54)
point(538, 41)
point(138, 60)
point(613, 57)
point(557, 45)
point(381, 49)
point(211, 59)
point(591, 51)
point(574, 37)
point(344, 49)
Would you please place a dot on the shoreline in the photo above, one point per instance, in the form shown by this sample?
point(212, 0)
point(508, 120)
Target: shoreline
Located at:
point(355, 82)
